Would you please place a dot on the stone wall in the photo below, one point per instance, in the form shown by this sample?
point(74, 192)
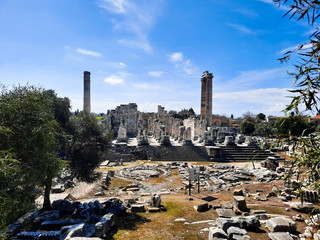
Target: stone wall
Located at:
point(125, 114)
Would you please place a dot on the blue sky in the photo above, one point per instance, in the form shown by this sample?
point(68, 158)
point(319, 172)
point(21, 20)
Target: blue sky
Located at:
point(152, 52)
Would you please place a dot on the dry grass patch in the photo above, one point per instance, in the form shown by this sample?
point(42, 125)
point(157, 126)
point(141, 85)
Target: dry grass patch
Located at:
point(161, 225)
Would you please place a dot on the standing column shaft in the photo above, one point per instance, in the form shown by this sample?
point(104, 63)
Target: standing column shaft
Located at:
point(209, 100)
point(203, 97)
point(86, 92)
point(206, 97)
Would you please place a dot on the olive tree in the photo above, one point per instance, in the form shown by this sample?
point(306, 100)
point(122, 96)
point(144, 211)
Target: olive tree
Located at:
point(305, 164)
point(26, 113)
point(88, 142)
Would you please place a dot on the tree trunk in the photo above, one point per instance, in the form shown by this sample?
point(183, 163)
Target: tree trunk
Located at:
point(46, 201)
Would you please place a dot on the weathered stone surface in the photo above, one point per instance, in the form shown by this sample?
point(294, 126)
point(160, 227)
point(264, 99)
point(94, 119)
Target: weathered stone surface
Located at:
point(28, 235)
point(201, 207)
point(280, 236)
point(137, 208)
point(47, 216)
point(238, 192)
point(226, 205)
point(59, 188)
point(225, 223)
point(304, 207)
point(155, 200)
point(29, 216)
point(281, 224)
point(249, 222)
point(69, 232)
point(58, 224)
point(89, 230)
point(50, 235)
point(235, 231)
point(84, 238)
point(104, 225)
point(217, 233)
point(240, 203)
point(240, 237)
point(64, 206)
point(223, 212)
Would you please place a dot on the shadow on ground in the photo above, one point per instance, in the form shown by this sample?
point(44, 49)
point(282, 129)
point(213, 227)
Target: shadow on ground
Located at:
point(127, 222)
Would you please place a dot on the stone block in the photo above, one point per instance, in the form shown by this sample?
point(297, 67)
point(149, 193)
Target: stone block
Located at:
point(238, 192)
point(217, 233)
point(227, 213)
point(240, 203)
point(280, 236)
point(281, 224)
point(47, 216)
point(226, 223)
point(249, 222)
point(235, 231)
point(226, 205)
point(104, 225)
point(137, 208)
point(304, 207)
point(201, 207)
point(69, 232)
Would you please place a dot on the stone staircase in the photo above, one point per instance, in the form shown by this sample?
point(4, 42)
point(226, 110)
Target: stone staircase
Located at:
point(243, 153)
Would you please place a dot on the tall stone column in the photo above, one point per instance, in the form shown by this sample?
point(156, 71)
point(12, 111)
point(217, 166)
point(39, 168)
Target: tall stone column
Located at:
point(206, 97)
point(86, 92)
point(203, 97)
point(209, 99)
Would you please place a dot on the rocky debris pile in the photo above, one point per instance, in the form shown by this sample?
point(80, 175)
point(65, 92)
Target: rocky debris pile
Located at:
point(151, 205)
point(233, 228)
point(222, 177)
point(63, 182)
point(281, 228)
point(70, 219)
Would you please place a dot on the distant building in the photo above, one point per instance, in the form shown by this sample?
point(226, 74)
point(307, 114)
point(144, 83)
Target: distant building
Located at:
point(273, 119)
point(315, 119)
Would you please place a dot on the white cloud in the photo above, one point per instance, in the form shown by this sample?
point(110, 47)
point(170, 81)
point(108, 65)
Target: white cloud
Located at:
point(116, 6)
point(145, 86)
point(242, 28)
point(122, 64)
point(282, 7)
point(89, 53)
point(141, 44)
point(305, 47)
point(176, 57)
point(251, 78)
point(267, 100)
point(114, 79)
point(137, 17)
point(183, 65)
point(156, 73)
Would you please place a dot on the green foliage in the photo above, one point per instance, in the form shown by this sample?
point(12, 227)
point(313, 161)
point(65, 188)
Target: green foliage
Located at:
point(87, 145)
point(294, 125)
point(9, 180)
point(261, 116)
point(306, 151)
point(265, 129)
point(305, 165)
point(307, 71)
point(61, 108)
point(31, 131)
point(247, 127)
point(184, 113)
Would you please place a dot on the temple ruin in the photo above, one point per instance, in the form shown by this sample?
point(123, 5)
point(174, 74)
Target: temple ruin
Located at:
point(167, 136)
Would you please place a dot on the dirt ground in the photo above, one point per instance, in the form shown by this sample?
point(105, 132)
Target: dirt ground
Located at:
point(178, 204)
